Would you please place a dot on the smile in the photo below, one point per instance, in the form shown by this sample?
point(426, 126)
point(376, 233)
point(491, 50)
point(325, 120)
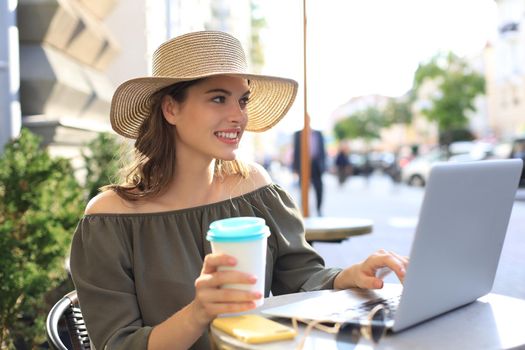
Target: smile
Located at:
point(228, 136)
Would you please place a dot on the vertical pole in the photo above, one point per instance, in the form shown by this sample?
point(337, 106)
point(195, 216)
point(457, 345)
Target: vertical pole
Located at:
point(305, 134)
point(10, 116)
point(168, 19)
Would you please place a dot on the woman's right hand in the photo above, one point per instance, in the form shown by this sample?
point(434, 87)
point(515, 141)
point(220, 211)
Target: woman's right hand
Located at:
point(212, 300)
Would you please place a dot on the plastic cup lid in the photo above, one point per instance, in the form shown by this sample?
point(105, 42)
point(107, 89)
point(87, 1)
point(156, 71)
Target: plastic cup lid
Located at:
point(238, 229)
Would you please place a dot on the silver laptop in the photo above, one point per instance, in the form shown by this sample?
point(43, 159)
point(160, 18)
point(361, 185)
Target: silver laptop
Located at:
point(454, 256)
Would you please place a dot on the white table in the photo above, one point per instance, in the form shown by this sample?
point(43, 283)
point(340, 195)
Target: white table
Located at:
point(333, 229)
point(492, 322)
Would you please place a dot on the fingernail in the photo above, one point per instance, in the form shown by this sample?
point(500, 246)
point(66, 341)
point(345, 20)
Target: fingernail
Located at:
point(232, 261)
point(253, 278)
point(257, 295)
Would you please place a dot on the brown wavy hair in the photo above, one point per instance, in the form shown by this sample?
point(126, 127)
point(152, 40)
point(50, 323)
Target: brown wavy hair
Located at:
point(153, 155)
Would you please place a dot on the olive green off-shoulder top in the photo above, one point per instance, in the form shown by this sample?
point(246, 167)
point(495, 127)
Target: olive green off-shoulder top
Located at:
point(133, 271)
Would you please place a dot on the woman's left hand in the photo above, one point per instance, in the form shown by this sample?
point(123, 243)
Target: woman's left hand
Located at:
point(369, 274)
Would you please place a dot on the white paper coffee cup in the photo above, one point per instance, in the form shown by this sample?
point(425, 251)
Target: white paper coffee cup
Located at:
point(244, 238)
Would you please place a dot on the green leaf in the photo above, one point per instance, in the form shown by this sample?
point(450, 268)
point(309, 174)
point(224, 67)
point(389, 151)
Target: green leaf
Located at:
point(40, 204)
point(458, 86)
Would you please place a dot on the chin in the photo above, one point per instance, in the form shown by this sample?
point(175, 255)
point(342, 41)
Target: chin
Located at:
point(228, 157)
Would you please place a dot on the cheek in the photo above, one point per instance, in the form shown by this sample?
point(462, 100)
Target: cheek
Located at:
point(245, 120)
point(188, 132)
point(195, 130)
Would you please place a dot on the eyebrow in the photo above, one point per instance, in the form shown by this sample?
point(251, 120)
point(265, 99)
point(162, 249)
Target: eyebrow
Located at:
point(224, 92)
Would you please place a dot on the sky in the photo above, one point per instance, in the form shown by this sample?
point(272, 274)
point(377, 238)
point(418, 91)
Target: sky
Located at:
point(361, 47)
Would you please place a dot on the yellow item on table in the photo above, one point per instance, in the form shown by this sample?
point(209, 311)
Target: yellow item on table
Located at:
point(254, 329)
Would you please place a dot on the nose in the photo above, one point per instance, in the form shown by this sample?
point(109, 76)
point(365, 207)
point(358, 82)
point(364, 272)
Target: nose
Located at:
point(237, 115)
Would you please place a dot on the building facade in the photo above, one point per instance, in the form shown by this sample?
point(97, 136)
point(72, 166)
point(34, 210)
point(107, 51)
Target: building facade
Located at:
point(65, 50)
point(72, 55)
point(505, 71)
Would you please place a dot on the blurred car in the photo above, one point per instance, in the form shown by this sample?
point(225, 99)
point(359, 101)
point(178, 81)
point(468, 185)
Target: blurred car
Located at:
point(416, 172)
point(381, 160)
point(518, 151)
point(403, 155)
point(474, 151)
point(513, 148)
point(360, 164)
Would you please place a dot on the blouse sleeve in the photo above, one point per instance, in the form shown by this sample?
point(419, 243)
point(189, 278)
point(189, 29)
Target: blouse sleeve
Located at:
point(101, 269)
point(297, 267)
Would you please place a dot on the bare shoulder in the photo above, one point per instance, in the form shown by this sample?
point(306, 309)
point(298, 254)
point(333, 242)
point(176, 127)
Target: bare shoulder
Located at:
point(108, 202)
point(257, 177)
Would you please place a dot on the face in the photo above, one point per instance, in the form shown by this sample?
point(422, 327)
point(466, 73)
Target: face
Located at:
point(210, 122)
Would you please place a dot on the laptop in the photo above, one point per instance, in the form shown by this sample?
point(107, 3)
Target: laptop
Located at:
point(454, 256)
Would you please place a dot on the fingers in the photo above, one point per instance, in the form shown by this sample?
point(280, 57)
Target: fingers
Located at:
point(392, 261)
point(402, 264)
point(209, 303)
point(378, 265)
point(370, 282)
point(229, 295)
point(212, 310)
point(214, 260)
point(219, 278)
point(212, 297)
point(404, 259)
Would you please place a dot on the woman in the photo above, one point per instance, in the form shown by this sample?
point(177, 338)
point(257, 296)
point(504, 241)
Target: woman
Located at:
point(145, 274)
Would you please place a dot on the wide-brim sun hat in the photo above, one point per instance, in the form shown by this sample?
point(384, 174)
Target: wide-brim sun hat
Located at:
point(199, 55)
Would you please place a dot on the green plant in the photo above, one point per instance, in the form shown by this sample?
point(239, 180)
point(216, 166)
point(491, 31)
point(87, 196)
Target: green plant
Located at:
point(458, 86)
point(258, 23)
point(364, 124)
point(398, 111)
point(40, 204)
point(101, 162)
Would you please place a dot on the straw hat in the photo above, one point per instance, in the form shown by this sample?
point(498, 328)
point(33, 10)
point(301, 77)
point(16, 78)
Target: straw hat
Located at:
point(198, 55)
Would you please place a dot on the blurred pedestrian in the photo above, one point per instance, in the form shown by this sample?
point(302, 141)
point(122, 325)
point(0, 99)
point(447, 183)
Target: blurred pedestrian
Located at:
point(342, 163)
point(317, 161)
point(368, 169)
point(518, 152)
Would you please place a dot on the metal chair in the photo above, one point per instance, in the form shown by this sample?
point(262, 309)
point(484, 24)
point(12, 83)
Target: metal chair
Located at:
point(66, 314)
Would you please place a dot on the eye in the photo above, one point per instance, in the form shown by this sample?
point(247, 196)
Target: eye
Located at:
point(219, 99)
point(244, 101)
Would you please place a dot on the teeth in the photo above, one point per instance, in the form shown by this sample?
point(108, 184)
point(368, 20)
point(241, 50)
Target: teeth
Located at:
point(227, 135)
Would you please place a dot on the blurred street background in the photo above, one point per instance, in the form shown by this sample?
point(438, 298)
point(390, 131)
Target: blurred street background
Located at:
point(394, 209)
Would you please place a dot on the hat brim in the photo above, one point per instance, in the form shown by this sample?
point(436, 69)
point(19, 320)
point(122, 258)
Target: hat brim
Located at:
point(270, 99)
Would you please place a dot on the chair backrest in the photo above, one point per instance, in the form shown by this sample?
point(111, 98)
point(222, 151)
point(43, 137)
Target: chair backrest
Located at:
point(67, 311)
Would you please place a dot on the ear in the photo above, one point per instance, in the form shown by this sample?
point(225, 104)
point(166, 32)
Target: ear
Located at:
point(170, 109)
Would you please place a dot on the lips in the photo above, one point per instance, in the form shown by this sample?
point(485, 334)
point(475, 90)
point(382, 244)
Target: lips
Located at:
point(229, 136)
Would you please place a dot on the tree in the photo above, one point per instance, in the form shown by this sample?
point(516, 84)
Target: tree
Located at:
point(398, 111)
point(365, 124)
point(101, 161)
point(458, 86)
point(40, 204)
point(258, 22)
